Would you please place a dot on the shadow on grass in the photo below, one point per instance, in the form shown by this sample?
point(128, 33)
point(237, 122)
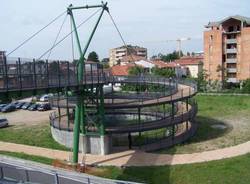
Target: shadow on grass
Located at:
point(151, 175)
point(205, 132)
point(162, 174)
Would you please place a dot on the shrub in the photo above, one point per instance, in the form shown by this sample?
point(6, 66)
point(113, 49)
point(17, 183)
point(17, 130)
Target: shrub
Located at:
point(246, 86)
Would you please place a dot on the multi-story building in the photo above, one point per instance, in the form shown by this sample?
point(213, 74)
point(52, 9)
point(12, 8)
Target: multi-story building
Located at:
point(117, 54)
point(227, 49)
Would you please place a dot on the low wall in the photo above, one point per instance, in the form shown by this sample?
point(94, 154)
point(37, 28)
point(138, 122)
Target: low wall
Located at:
point(93, 144)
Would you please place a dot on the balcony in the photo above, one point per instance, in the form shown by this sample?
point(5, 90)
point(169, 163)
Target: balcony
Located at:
point(233, 80)
point(231, 41)
point(232, 32)
point(231, 51)
point(231, 70)
point(231, 60)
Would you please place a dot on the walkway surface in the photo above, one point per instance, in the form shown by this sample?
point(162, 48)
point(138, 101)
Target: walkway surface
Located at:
point(133, 158)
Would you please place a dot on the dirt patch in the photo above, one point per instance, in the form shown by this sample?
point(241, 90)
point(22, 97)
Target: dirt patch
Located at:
point(219, 126)
point(25, 117)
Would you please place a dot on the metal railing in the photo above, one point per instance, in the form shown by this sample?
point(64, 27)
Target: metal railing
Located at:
point(22, 74)
point(16, 174)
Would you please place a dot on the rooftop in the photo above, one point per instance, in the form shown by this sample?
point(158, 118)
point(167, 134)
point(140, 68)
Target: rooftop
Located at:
point(243, 19)
point(121, 70)
point(189, 60)
point(130, 46)
point(162, 64)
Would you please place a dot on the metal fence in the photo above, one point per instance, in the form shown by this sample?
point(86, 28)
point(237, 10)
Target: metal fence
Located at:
point(23, 74)
point(10, 173)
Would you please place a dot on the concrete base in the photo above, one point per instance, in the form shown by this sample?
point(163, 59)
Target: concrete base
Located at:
point(93, 144)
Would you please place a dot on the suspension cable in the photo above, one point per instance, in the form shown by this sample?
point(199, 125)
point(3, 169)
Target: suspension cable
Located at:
point(57, 36)
point(117, 29)
point(32, 36)
point(69, 33)
point(120, 34)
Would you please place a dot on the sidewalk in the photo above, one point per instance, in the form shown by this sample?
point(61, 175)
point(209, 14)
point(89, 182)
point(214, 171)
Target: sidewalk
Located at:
point(133, 158)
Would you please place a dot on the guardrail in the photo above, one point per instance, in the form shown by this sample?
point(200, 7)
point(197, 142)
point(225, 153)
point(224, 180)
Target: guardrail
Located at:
point(37, 174)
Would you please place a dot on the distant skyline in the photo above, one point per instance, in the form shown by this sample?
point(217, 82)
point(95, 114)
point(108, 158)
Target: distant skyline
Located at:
point(141, 23)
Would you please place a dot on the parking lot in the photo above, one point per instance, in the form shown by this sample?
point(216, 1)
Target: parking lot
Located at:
point(24, 117)
point(18, 115)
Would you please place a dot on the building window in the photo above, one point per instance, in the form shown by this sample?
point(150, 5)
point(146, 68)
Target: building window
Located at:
point(211, 38)
point(238, 28)
point(230, 29)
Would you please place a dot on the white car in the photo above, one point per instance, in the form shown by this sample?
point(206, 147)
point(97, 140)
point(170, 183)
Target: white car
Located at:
point(3, 122)
point(45, 98)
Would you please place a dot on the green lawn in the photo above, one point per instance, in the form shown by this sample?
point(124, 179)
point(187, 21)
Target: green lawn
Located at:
point(211, 106)
point(227, 171)
point(24, 156)
point(36, 135)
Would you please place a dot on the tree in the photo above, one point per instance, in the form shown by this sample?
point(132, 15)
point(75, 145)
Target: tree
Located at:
point(136, 70)
point(105, 60)
point(201, 81)
point(221, 73)
point(246, 86)
point(93, 57)
point(171, 56)
point(163, 72)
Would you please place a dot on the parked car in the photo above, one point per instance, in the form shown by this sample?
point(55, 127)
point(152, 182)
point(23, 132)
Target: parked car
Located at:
point(44, 98)
point(3, 122)
point(33, 107)
point(44, 107)
point(9, 108)
point(26, 105)
point(19, 105)
point(2, 106)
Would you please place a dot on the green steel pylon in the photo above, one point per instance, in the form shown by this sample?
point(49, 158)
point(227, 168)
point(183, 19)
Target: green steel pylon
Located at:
point(80, 119)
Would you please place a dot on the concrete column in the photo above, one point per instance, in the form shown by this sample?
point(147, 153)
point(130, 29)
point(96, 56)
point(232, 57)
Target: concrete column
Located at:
point(104, 145)
point(84, 144)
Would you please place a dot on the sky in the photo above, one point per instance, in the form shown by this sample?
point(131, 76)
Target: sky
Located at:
point(141, 22)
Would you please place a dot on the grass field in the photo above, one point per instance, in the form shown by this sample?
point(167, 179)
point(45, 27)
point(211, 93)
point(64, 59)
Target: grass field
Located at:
point(35, 135)
point(227, 171)
point(42, 160)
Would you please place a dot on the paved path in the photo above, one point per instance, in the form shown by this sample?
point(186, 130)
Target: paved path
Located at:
point(133, 158)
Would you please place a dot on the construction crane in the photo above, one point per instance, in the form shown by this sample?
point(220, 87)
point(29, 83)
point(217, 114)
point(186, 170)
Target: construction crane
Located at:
point(179, 43)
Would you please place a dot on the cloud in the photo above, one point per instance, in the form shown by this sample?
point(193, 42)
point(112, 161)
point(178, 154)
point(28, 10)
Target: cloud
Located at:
point(138, 20)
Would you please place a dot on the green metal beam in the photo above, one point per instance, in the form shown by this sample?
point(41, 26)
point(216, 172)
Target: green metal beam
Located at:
point(104, 7)
point(85, 7)
point(101, 111)
point(80, 108)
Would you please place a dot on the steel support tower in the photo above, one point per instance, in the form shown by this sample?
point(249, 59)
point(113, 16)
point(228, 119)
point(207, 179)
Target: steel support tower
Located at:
point(80, 111)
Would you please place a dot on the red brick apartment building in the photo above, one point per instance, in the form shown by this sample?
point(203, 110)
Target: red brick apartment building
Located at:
point(227, 49)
